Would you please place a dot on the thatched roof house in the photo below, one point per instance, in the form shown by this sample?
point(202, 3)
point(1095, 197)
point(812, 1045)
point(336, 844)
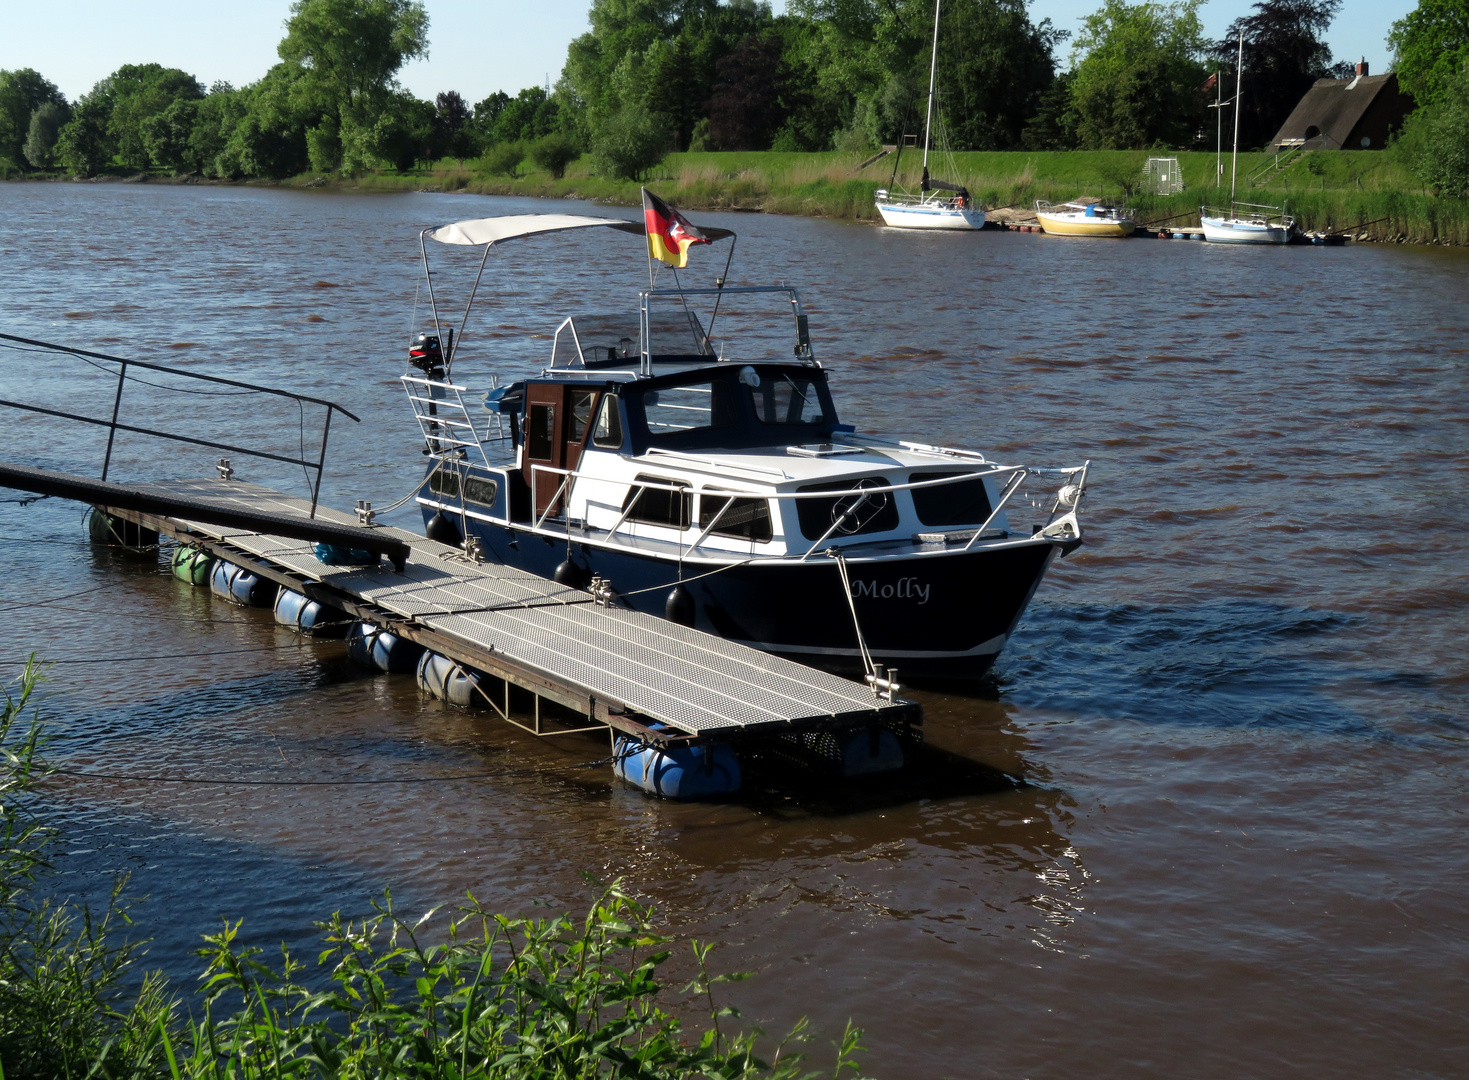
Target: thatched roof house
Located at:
point(1346, 114)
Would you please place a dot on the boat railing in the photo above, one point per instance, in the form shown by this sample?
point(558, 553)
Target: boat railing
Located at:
point(127, 371)
point(445, 420)
point(1061, 516)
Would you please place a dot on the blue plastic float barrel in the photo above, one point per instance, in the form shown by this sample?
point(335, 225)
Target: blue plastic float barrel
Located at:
point(372, 646)
point(237, 585)
point(705, 771)
point(449, 680)
point(308, 616)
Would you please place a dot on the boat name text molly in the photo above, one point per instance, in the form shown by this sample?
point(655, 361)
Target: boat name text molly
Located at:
point(906, 589)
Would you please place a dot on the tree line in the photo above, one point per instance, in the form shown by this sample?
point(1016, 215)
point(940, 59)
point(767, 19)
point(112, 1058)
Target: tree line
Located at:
point(654, 76)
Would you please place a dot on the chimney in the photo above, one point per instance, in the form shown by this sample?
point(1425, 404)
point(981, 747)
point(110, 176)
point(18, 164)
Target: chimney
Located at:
point(1362, 67)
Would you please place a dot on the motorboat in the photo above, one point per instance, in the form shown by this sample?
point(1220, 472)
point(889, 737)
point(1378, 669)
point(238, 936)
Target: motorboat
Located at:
point(1084, 219)
point(715, 483)
point(1244, 223)
point(938, 204)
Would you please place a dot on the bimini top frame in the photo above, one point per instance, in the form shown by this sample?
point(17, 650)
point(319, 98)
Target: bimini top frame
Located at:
point(498, 230)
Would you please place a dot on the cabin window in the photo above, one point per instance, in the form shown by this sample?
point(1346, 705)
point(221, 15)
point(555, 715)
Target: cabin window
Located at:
point(674, 409)
point(540, 436)
point(786, 400)
point(581, 415)
point(964, 502)
point(608, 432)
point(746, 519)
point(477, 489)
point(851, 514)
point(656, 506)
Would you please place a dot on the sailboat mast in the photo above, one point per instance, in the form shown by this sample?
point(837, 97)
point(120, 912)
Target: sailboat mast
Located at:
point(1239, 79)
point(933, 64)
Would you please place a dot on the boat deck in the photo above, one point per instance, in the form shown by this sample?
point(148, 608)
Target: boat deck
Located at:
point(622, 668)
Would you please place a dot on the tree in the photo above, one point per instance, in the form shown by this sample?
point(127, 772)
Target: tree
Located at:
point(1438, 134)
point(452, 132)
point(46, 124)
point(141, 91)
point(994, 67)
point(1283, 56)
point(269, 140)
point(85, 145)
point(1138, 76)
point(22, 92)
point(166, 136)
point(1430, 45)
point(218, 115)
point(347, 54)
point(745, 109)
point(629, 143)
point(1053, 127)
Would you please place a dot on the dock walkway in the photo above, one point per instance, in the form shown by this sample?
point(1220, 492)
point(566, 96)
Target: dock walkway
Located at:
point(664, 683)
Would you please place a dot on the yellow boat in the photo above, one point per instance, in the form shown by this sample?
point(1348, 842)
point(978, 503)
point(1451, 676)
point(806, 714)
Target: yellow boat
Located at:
point(1084, 219)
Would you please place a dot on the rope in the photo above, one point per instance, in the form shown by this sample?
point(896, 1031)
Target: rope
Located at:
point(711, 573)
point(438, 464)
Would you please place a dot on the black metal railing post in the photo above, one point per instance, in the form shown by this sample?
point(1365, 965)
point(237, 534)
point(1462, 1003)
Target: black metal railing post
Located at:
point(122, 374)
point(321, 461)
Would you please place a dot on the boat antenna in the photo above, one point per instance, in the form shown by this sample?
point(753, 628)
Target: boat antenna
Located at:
point(1239, 78)
point(933, 64)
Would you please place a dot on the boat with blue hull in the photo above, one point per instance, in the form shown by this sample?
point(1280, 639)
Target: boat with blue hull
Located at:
point(728, 494)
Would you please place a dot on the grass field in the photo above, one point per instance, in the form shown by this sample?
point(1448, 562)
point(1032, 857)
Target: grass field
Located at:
point(1326, 190)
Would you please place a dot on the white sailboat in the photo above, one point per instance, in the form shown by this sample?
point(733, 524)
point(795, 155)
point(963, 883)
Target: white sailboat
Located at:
point(938, 204)
point(1244, 223)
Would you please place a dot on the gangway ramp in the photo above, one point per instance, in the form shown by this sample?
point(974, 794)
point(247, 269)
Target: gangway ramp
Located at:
point(631, 671)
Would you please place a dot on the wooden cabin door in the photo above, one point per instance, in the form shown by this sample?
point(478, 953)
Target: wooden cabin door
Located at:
point(557, 420)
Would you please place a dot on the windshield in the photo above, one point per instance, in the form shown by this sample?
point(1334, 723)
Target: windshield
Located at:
point(787, 400)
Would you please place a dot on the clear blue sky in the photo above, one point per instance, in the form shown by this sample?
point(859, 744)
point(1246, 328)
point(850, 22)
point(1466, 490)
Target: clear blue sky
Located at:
point(476, 46)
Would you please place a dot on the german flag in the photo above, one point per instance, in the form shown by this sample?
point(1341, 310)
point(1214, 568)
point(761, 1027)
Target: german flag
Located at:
point(669, 232)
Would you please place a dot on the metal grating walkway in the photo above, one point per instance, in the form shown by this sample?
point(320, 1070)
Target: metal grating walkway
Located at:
point(508, 621)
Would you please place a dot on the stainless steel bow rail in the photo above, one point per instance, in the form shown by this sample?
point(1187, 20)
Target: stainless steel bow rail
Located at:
point(114, 424)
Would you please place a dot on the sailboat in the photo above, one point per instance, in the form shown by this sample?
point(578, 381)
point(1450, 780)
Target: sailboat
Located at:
point(938, 204)
point(1244, 223)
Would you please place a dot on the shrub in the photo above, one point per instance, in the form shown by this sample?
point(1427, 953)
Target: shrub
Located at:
point(503, 159)
point(554, 152)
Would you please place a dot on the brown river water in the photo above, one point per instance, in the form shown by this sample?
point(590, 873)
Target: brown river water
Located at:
point(1208, 818)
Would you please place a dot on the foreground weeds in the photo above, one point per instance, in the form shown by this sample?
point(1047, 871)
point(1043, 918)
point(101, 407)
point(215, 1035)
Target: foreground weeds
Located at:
point(447, 996)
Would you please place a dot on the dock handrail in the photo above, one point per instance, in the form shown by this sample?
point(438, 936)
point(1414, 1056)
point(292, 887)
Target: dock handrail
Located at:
point(113, 424)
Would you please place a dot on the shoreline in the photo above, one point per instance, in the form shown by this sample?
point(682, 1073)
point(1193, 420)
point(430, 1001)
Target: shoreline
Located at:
point(1362, 195)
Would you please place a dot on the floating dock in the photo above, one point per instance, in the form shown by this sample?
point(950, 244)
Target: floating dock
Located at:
point(660, 683)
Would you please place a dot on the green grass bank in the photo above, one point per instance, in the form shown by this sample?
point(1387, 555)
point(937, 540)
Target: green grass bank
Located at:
point(1326, 190)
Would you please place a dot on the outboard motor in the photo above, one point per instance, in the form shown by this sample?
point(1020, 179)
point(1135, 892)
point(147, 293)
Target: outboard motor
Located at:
point(427, 355)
